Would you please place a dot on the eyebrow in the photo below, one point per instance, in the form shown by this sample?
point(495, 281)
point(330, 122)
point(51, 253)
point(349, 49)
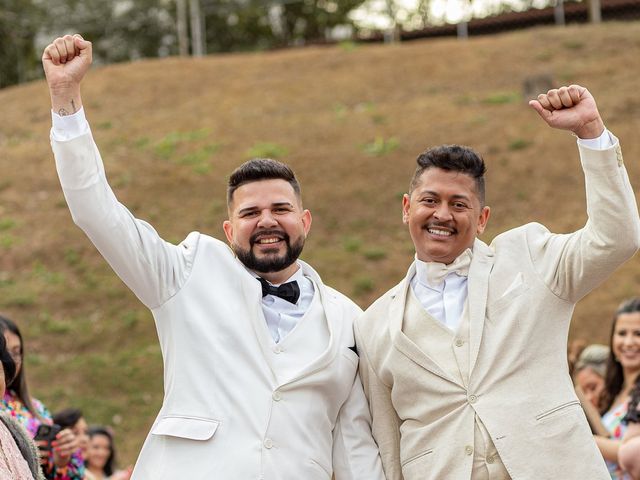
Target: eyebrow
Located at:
point(436, 194)
point(273, 205)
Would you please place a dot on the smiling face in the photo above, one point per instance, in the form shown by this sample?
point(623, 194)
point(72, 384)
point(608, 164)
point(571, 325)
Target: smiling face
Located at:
point(267, 227)
point(625, 343)
point(444, 214)
point(98, 452)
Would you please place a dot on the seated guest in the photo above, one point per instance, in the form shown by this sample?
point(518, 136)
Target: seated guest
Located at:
point(589, 372)
point(101, 457)
point(63, 461)
point(623, 369)
point(18, 454)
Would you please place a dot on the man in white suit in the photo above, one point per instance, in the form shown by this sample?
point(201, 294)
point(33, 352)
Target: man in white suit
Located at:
point(260, 368)
point(464, 362)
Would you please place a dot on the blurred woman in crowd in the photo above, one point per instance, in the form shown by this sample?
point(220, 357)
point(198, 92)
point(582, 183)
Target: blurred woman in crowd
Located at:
point(18, 455)
point(629, 452)
point(623, 369)
point(73, 419)
point(590, 370)
point(63, 461)
point(101, 457)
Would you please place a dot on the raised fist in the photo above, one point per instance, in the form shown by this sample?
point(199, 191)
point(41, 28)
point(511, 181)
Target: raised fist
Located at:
point(570, 108)
point(66, 60)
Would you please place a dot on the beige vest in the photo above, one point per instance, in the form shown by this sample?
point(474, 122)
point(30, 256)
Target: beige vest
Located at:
point(451, 351)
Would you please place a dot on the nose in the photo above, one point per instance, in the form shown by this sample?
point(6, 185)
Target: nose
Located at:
point(267, 220)
point(628, 339)
point(442, 212)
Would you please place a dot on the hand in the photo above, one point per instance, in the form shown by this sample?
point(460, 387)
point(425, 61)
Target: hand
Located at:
point(63, 447)
point(66, 61)
point(570, 108)
point(43, 452)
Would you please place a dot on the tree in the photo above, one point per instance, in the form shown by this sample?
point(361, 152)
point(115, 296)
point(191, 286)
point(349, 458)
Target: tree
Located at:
point(19, 23)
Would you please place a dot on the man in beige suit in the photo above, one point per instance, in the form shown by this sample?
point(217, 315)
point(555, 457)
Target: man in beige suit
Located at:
point(464, 361)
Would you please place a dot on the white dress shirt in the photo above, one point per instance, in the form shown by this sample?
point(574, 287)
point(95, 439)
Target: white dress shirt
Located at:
point(282, 316)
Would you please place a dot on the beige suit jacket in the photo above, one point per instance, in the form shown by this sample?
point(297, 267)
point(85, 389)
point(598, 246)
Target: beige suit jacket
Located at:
point(522, 290)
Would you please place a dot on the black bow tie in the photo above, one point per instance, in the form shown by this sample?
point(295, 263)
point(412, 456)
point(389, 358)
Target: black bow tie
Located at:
point(289, 291)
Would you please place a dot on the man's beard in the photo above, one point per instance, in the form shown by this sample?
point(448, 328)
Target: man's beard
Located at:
point(270, 263)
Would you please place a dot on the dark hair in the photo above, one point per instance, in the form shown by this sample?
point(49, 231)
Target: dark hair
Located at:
point(19, 383)
point(261, 169)
point(110, 466)
point(455, 158)
point(8, 365)
point(614, 377)
point(68, 417)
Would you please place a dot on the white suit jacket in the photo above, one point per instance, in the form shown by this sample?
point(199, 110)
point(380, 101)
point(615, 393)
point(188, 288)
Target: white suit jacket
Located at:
point(225, 416)
point(522, 291)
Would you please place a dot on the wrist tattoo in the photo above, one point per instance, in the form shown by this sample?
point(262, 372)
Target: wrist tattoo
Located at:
point(63, 112)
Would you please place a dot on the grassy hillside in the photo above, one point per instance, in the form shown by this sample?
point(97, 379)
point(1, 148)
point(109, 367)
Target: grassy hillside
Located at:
point(350, 120)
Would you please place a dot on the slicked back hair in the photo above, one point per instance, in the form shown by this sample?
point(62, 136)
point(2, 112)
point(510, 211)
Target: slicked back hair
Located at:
point(259, 169)
point(454, 158)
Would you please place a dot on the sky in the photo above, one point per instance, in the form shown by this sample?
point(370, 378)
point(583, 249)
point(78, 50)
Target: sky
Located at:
point(451, 11)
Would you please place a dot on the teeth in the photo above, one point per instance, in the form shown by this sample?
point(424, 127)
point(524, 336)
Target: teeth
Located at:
point(435, 231)
point(268, 240)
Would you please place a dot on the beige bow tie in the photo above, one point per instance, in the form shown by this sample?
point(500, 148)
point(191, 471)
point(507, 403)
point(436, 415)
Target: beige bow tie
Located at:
point(437, 272)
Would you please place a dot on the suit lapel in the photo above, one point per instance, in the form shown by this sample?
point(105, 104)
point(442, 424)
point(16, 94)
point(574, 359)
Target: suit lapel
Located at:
point(404, 343)
point(335, 322)
point(478, 287)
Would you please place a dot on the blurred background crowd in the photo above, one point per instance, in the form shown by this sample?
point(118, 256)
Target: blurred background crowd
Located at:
point(64, 446)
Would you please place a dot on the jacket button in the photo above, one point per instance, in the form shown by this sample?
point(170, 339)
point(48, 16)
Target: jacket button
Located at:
point(268, 443)
point(473, 399)
point(459, 342)
point(468, 450)
point(278, 349)
point(276, 396)
point(491, 459)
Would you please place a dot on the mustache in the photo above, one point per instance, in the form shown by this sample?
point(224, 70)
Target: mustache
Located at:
point(445, 225)
point(253, 239)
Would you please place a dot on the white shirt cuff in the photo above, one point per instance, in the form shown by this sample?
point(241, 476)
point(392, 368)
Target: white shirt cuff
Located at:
point(604, 141)
point(69, 127)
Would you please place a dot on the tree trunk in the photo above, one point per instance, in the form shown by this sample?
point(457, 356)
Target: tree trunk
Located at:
point(181, 27)
point(197, 22)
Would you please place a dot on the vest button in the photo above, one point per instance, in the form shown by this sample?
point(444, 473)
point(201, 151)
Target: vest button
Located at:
point(473, 399)
point(468, 450)
point(276, 396)
point(277, 349)
point(268, 443)
point(459, 342)
point(491, 459)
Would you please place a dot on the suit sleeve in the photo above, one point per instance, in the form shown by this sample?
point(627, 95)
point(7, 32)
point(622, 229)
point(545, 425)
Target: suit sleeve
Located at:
point(574, 264)
point(385, 424)
point(355, 453)
point(152, 268)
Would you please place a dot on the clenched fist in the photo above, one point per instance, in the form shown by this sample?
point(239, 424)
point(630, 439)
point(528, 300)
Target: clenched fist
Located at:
point(570, 108)
point(66, 60)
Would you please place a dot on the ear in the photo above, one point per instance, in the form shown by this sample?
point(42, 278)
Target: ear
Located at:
point(306, 221)
point(228, 230)
point(406, 205)
point(483, 219)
